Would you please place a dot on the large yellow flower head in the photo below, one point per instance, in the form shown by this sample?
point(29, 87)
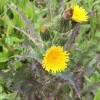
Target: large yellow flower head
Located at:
point(79, 13)
point(55, 59)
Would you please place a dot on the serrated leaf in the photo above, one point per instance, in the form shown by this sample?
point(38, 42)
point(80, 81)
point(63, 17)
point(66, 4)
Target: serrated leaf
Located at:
point(90, 87)
point(91, 65)
point(26, 20)
point(35, 55)
point(68, 77)
point(17, 78)
point(28, 41)
point(71, 79)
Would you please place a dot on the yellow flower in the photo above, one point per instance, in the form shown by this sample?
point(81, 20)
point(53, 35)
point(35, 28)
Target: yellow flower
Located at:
point(55, 59)
point(79, 13)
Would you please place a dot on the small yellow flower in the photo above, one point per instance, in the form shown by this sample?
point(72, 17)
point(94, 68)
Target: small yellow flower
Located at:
point(55, 59)
point(79, 13)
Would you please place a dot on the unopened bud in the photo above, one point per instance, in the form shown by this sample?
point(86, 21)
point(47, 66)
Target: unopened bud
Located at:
point(67, 14)
point(43, 30)
point(45, 34)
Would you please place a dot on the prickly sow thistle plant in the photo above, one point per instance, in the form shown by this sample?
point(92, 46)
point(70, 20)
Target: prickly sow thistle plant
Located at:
point(51, 51)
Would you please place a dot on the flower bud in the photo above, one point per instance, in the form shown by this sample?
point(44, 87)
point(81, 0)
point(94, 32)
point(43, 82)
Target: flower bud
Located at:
point(67, 14)
point(62, 39)
point(45, 34)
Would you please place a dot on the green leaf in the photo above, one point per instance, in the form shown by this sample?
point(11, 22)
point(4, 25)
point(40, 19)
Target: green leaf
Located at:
point(3, 65)
point(25, 19)
point(5, 49)
point(88, 96)
point(1, 22)
point(97, 95)
point(86, 79)
point(1, 89)
point(17, 78)
point(30, 11)
point(97, 34)
point(95, 76)
point(5, 56)
point(16, 40)
point(35, 55)
point(68, 77)
point(8, 41)
point(91, 66)
point(84, 28)
point(42, 12)
point(12, 96)
point(90, 87)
